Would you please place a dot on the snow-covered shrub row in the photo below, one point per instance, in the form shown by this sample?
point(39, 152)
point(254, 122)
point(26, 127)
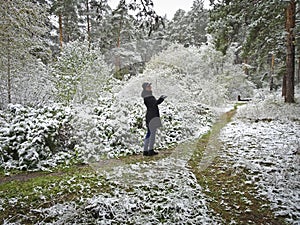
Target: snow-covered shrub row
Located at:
point(34, 138)
point(117, 127)
point(271, 106)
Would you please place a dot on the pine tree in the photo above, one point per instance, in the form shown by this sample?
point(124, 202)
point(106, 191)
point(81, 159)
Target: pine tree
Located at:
point(259, 27)
point(68, 21)
point(289, 79)
point(177, 28)
point(188, 28)
point(21, 31)
point(198, 20)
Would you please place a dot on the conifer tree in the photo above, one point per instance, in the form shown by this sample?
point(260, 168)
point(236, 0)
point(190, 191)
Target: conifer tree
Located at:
point(21, 40)
point(259, 28)
point(189, 28)
point(289, 79)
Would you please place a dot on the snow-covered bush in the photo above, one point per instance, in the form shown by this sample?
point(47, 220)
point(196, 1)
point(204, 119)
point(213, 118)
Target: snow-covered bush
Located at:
point(209, 76)
point(34, 138)
point(79, 73)
point(112, 128)
point(117, 126)
point(267, 105)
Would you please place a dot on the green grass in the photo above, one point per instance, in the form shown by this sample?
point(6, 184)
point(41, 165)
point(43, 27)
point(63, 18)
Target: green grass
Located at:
point(33, 190)
point(21, 196)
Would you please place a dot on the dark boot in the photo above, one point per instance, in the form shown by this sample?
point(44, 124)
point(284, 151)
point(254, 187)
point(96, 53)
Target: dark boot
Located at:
point(146, 153)
point(152, 152)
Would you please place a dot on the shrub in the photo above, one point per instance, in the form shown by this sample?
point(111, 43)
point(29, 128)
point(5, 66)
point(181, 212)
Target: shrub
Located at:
point(34, 138)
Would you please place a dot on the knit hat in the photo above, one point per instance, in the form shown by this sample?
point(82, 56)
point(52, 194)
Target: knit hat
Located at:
point(146, 84)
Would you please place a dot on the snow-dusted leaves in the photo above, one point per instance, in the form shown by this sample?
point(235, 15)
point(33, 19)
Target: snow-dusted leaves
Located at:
point(158, 192)
point(34, 138)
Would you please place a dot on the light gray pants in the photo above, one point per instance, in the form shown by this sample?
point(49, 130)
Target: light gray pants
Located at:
point(149, 139)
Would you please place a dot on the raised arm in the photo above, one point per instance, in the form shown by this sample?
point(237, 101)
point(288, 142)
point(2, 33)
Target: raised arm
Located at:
point(161, 99)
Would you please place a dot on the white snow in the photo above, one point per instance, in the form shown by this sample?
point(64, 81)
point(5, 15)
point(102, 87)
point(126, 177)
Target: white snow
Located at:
point(264, 138)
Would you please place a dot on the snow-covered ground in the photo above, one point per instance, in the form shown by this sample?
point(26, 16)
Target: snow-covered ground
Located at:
point(264, 138)
point(161, 192)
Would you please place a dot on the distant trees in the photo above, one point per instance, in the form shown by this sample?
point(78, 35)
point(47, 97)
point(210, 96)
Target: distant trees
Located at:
point(259, 28)
point(189, 28)
point(34, 33)
point(23, 50)
point(261, 31)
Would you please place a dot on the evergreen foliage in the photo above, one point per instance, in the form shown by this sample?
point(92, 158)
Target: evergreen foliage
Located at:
point(258, 27)
point(22, 27)
point(189, 28)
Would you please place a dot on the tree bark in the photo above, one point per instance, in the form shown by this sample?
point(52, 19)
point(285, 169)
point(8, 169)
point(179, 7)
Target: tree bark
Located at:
point(88, 23)
point(284, 86)
point(60, 30)
point(298, 72)
point(290, 55)
point(8, 72)
point(272, 72)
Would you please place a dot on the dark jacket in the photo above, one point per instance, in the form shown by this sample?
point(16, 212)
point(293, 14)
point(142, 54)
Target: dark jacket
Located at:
point(152, 114)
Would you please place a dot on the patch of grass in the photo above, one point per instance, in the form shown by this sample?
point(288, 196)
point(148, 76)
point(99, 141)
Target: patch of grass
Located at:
point(231, 195)
point(20, 197)
point(23, 191)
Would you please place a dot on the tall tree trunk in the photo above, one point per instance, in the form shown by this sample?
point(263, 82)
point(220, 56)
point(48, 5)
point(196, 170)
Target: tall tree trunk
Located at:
point(88, 23)
point(118, 62)
point(298, 72)
point(272, 72)
point(60, 30)
point(290, 57)
point(8, 72)
point(284, 85)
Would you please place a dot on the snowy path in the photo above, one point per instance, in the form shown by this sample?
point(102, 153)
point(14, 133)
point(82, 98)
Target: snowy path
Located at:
point(159, 192)
point(267, 150)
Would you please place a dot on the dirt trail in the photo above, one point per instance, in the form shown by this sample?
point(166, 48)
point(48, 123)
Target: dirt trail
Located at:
point(214, 144)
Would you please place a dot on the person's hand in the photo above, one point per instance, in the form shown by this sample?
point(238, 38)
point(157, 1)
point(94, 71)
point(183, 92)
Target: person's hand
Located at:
point(163, 96)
